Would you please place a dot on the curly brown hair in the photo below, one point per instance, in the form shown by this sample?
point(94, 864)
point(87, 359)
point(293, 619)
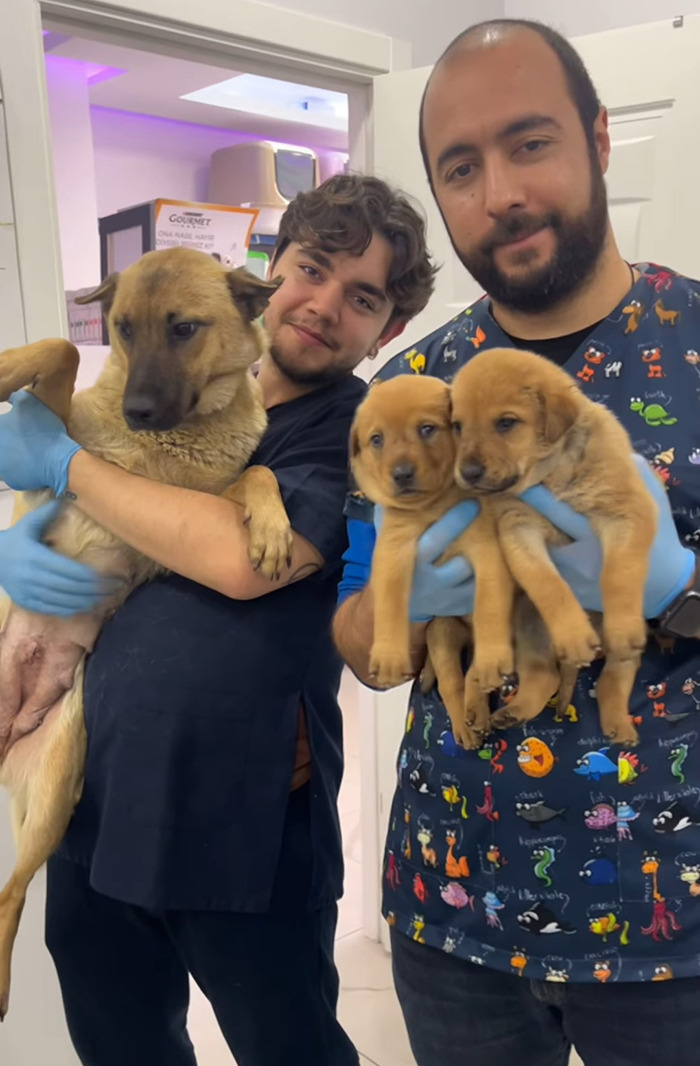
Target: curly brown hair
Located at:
point(344, 213)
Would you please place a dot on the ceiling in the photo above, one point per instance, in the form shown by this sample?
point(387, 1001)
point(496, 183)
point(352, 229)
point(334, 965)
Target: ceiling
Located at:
point(128, 79)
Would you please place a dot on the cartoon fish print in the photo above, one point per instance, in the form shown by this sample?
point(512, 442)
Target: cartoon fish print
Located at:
point(518, 961)
point(595, 764)
point(541, 921)
point(416, 360)
point(600, 816)
point(420, 781)
point(450, 747)
point(599, 870)
point(663, 972)
point(629, 768)
point(625, 815)
point(534, 757)
point(487, 807)
point(543, 859)
point(538, 814)
point(453, 938)
point(674, 819)
point(493, 905)
point(419, 889)
point(455, 896)
point(606, 925)
point(678, 755)
point(602, 972)
point(694, 457)
point(450, 789)
point(493, 751)
point(416, 927)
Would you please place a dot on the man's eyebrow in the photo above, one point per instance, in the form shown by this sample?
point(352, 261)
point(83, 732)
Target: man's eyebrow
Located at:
point(362, 286)
point(525, 124)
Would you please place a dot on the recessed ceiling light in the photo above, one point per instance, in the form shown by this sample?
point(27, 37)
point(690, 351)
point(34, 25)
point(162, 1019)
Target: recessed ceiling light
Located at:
point(272, 98)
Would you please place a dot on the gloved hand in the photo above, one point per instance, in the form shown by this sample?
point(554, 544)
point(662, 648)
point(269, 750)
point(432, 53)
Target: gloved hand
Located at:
point(35, 449)
point(41, 580)
point(671, 565)
point(441, 591)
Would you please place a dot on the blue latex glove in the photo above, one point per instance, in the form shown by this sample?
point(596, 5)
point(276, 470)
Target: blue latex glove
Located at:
point(671, 565)
point(35, 449)
point(441, 591)
point(41, 580)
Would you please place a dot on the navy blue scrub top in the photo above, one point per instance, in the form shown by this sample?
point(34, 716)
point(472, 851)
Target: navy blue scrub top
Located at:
point(192, 704)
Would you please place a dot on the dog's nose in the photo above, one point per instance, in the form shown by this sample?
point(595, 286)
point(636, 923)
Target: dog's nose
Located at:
point(141, 411)
point(471, 472)
point(403, 475)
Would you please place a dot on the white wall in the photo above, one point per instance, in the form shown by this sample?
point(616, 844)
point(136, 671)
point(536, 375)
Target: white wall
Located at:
point(428, 26)
point(574, 18)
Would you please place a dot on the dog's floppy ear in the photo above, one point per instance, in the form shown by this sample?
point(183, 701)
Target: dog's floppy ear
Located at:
point(558, 411)
point(251, 294)
point(104, 293)
point(354, 442)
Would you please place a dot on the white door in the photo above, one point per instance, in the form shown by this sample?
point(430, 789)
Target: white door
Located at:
point(647, 76)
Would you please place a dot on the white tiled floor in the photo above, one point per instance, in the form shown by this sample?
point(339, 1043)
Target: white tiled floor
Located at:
point(368, 1008)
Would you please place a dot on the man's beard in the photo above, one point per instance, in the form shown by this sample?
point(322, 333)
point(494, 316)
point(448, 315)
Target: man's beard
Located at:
point(579, 244)
point(313, 377)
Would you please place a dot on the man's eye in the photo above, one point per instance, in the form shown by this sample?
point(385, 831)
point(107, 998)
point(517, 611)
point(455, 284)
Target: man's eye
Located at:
point(464, 170)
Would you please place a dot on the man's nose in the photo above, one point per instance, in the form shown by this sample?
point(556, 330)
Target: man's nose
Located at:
point(326, 301)
point(503, 190)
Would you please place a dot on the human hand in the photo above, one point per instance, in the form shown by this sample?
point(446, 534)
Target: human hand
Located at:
point(447, 590)
point(671, 564)
point(35, 449)
point(41, 580)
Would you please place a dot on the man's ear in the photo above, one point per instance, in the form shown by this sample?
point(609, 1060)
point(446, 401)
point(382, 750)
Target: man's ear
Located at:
point(251, 294)
point(392, 332)
point(104, 293)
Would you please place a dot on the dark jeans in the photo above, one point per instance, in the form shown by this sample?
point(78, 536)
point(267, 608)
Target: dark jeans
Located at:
point(467, 1015)
point(270, 977)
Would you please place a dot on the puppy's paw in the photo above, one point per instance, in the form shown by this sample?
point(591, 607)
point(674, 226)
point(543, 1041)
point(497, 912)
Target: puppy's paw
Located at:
point(625, 641)
point(270, 542)
point(512, 715)
point(619, 728)
point(466, 737)
point(578, 644)
point(389, 666)
point(477, 716)
point(492, 666)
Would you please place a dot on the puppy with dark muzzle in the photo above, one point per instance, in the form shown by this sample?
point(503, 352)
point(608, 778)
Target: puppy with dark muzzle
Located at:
point(520, 420)
point(403, 458)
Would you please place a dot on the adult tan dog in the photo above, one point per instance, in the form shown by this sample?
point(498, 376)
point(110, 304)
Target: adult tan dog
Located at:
point(175, 402)
point(402, 457)
point(521, 420)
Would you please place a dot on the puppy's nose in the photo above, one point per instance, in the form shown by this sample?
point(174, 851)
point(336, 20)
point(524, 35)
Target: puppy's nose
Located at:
point(140, 410)
point(403, 475)
point(471, 472)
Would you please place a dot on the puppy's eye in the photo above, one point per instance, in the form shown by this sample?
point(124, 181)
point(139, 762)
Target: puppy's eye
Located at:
point(182, 331)
point(427, 430)
point(125, 330)
point(505, 424)
point(376, 440)
point(457, 428)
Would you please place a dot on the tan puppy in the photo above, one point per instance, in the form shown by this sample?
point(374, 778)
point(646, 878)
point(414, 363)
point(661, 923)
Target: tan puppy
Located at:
point(183, 336)
point(521, 420)
point(403, 456)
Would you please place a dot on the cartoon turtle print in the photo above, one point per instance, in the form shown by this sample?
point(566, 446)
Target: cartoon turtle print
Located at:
point(654, 414)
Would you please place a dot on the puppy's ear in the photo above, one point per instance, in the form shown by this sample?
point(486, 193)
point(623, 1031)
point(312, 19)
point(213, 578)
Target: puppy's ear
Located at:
point(251, 294)
point(354, 443)
point(104, 293)
point(558, 411)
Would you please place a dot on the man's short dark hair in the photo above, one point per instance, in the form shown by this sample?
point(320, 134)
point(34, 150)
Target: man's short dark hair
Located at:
point(344, 213)
point(578, 80)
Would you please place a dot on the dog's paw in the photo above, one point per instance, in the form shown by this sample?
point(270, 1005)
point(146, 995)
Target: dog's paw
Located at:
point(270, 545)
point(492, 667)
point(512, 715)
point(626, 641)
point(389, 666)
point(476, 712)
point(619, 728)
point(578, 645)
point(466, 737)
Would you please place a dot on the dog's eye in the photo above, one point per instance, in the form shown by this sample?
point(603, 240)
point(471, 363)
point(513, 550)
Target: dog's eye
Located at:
point(184, 330)
point(426, 431)
point(504, 424)
point(457, 428)
point(376, 440)
point(125, 330)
